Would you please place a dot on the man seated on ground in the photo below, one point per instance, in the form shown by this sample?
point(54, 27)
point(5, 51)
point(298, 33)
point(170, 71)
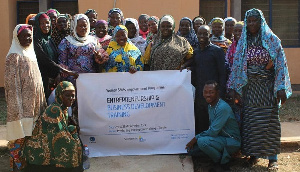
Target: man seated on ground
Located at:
point(222, 139)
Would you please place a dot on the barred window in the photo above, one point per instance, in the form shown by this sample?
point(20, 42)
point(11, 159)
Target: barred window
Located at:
point(24, 8)
point(281, 16)
point(213, 8)
point(65, 6)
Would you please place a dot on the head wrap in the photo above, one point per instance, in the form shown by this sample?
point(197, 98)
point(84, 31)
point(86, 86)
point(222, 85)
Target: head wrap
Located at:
point(17, 48)
point(29, 17)
point(118, 11)
point(199, 18)
point(154, 18)
point(229, 19)
point(101, 21)
point(90, 11)
point(169, 19)
point(52, 11)
point(74, 23)
point(135, 23)
point(221, 38)
point(191, 36)
point(117, 28)
point(61, 87)
point(43, 16)
point(238, 78)
point(29, 27)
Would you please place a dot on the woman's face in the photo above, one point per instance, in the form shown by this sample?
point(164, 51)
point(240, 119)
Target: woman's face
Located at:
point(45, 25)
point(217, 29)
point(197, 24)
point(121, 37)
point(62, 24)
point(184, 27)
point(101, 30)
point(229, 25)
point(92, 18)
point(131, 30)
point(115, 19)
point(152, 26)
point(82, 27)
point(253, 25)
point(143, 24)
point(166, 29)
point(68, 98)
point(25, 37)
point(53, 17)
point(237, 32)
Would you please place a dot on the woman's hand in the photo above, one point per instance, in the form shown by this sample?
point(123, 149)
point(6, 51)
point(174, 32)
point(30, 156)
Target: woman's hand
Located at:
point(100, 57)
point(281, 96)
point(132, 69)
point(191, 144)
point(269, 65)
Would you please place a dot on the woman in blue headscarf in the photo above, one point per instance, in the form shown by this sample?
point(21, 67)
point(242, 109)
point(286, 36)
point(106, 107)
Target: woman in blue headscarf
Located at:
point(260, 76)
point(186, 30)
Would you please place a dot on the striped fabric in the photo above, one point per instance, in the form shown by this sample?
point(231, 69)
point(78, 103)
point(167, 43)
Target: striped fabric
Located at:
point(260, 125)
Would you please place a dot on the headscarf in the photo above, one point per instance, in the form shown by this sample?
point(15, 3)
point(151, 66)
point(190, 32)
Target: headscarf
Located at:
point(42, 38)
point(61, 87)
point(74, 38)
point(52, 11)
point(137, 40)
point(191, 36)
point(221, 38)
point(151, 35)
point(229, 19)
point(110, 29)
point(238, 78)
point(106, 37)
point(90, 11)
point(199, 18)
point(16, 46)
point(129, 54)
point(29, 17)
point(57, 35)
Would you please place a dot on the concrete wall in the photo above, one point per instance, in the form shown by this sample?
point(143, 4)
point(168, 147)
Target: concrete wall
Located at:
point(133, 8)
point(292, 55)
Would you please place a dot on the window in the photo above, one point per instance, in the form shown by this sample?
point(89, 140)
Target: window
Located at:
point(213, 8)
point(65, 6)
point(281, 16)
point(24, 8)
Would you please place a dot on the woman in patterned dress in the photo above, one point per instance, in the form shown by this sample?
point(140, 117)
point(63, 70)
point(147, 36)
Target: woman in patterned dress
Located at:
point(260, 76)
point(24, 93)
point(55, 145)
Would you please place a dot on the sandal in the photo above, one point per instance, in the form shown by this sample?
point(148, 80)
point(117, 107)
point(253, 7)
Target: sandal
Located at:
point(273, 166)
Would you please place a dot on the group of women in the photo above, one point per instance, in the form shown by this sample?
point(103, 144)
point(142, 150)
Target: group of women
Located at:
point(58, 47)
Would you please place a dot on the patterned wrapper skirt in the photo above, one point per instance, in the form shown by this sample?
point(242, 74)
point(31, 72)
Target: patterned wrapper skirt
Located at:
point(261, 129)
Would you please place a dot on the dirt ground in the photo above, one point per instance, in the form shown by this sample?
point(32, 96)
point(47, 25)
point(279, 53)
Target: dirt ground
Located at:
point(289, 161)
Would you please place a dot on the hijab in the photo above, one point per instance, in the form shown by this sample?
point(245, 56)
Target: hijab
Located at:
point(57, 35)
point(61, 87)
point(191, 36)
point(221, 38)
point(137, 40)
point(269, 41)
point(74, 38)
point(17, 48)
point(151, 35)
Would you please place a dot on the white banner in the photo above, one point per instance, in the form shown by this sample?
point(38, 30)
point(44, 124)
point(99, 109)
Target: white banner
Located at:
point(136, 114)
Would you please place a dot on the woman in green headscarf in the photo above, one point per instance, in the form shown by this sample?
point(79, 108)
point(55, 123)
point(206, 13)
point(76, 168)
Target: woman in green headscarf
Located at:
point(55, 145)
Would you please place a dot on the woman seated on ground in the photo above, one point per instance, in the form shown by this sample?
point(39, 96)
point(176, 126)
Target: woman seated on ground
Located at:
point(218, 31)
point(101, 33)
point(186, 30)
point(55, 145)
point(133, 34)
point(124, 56)
point(168, 51)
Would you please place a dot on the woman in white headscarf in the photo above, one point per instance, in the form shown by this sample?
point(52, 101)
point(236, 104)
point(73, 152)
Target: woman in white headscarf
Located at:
point(24, 92)
point(80, 52)
point(133, 34)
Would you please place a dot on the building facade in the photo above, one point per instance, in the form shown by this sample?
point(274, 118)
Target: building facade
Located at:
point(282, 17)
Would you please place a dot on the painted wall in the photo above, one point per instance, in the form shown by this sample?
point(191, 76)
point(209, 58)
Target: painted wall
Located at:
point(133, 8)
point(292, 55)
point(8, 11)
